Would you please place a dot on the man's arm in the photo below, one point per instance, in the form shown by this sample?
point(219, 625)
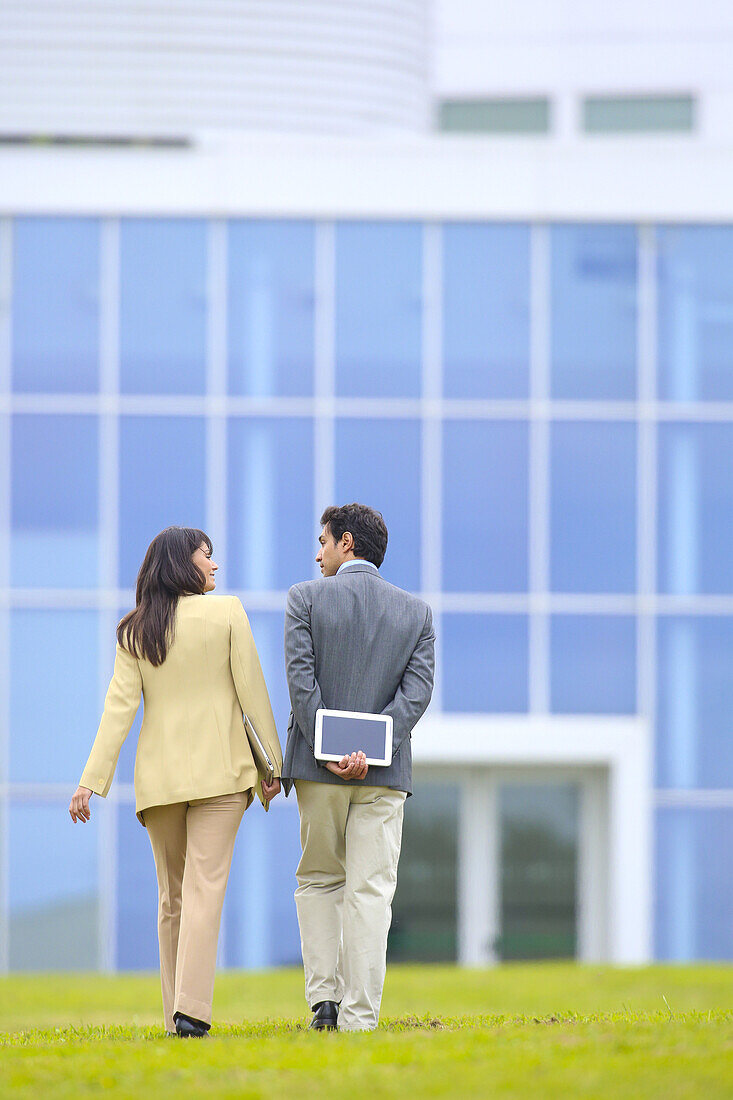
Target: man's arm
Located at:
point(300, 666)
point(416, 687)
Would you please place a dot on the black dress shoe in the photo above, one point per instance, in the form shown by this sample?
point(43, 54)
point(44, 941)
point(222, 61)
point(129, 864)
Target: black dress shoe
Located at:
point(189, 1028)
point(325, 1016)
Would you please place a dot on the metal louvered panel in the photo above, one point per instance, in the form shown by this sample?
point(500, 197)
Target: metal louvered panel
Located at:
point(164, 66)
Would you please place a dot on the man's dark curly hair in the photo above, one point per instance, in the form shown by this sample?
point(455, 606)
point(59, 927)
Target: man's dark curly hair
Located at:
point(367, 528)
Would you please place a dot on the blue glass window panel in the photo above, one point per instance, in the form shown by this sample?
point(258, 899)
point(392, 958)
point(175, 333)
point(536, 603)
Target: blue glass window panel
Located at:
point(5, 696)
point(270, 489)
point(137, 895)
point(485, 505)
point(52, 730)
point(485, 663)
point(271, 303)
point(593, 507)
point(695, 313)
point(695, 508)
point(54, 540)
point(378, 309)
point(486, 311)
point(694, 884)
point(53, 888)
point(593, 664)
point(163, 305)
point(261, 926)
point(162, 476)
point(379, 465)
point(694, 701)
point(593, 323)
point(55, 305)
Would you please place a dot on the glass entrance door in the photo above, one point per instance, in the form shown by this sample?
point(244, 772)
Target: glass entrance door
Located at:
point(424, 911)
point(538, 870)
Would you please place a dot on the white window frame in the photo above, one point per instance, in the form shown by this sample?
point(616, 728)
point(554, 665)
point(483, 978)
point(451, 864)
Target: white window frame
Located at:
point(611, 759)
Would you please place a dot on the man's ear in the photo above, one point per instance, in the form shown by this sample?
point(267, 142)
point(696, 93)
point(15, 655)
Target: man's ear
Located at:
point(347, 541)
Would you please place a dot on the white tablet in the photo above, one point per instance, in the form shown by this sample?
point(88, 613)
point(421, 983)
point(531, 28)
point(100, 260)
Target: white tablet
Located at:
point(341, 732)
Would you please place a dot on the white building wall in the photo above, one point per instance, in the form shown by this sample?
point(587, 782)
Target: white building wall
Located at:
point(177, 67)
point(572, 48)
point(447, 176)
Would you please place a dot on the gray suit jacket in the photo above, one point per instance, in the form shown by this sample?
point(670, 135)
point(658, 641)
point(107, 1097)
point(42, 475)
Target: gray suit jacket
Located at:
point(356, 642)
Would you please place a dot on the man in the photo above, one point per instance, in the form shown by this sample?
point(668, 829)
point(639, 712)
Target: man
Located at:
point(352, 642)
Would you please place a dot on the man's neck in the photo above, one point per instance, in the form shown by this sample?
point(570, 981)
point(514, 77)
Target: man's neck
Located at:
point(356, 561)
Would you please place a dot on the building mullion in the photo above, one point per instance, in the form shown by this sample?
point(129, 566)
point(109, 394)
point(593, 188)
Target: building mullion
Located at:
point(109, 478)
point(539, 470)
point(431, 474)
point(6, 242)
point(324, 406)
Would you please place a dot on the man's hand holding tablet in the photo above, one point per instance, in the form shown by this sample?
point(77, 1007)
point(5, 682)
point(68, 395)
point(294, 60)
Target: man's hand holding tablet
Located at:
point(349, 767)
point(337, 731)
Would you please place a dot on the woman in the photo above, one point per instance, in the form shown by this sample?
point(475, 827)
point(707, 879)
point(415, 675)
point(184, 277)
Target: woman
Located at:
point(194, 659)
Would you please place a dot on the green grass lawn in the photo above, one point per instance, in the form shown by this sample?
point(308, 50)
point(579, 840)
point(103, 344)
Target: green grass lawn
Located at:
point(544, 1031)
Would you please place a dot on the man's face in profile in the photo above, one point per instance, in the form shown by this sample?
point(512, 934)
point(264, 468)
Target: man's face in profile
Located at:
point(328, 557)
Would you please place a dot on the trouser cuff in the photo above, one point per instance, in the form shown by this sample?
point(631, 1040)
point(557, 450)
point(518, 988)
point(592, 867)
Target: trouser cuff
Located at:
point(198, 1010)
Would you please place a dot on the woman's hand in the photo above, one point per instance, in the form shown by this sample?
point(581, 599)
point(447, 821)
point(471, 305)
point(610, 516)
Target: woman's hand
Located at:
point(269, 790)
point(79, 805)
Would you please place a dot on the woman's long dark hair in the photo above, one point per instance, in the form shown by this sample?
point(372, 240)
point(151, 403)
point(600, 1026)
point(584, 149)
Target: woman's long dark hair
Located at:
point(166, 573)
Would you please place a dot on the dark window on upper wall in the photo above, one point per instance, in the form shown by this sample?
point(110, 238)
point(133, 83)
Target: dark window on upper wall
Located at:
point(270, 317)
point(485, 311)
point(163, 305)
point(695, 312)
point(593, 319)
point(378, 309)
point(55, 327)
point(516, 115)
point(638, 114)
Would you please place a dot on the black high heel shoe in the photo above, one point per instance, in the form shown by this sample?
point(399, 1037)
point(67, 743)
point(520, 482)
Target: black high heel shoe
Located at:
point(189, 1028)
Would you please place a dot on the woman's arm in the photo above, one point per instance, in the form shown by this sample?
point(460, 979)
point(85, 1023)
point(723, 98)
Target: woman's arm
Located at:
point(250, 683)
point(120, 708)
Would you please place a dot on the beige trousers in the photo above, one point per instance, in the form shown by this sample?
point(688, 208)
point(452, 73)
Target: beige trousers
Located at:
point(346, 881)
point(192, 845)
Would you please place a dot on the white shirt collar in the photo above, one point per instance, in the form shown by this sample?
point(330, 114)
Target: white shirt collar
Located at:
point(357, 561)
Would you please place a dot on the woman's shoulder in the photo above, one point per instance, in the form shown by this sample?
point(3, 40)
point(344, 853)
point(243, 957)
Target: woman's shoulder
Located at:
point(208, 604)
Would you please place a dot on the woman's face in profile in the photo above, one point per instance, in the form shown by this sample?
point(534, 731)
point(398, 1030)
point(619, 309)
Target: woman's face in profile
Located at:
point(203, 561)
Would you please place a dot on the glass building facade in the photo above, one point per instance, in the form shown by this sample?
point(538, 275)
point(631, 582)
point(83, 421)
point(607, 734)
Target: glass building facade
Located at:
point(544, 415)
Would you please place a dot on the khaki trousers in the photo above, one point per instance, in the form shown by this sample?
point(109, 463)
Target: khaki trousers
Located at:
point(347, 876)
point(192, 845)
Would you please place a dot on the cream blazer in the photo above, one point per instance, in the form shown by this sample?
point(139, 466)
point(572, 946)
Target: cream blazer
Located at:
point(192, 743)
